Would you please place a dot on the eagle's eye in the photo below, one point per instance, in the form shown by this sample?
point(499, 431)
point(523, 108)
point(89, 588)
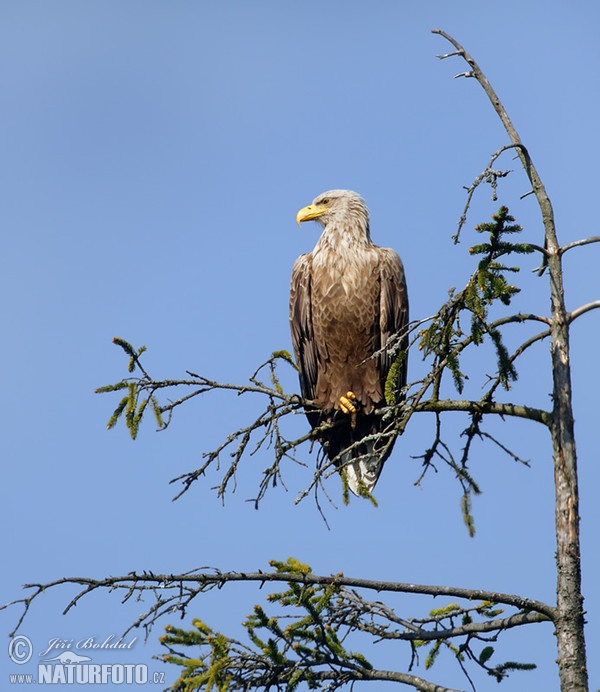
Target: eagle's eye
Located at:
point(325, 201)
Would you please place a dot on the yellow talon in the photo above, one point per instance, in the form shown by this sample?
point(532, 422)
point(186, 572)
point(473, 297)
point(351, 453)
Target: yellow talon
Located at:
point(348, 403)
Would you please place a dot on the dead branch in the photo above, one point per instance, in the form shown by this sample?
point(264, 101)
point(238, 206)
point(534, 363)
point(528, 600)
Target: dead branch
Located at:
point(574, 314)
point(579, 243)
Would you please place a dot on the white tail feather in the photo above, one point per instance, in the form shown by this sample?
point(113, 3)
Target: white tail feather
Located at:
point(362, 472)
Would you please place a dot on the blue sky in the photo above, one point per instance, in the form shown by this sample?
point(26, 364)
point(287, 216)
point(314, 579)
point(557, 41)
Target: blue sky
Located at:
point(154, 157)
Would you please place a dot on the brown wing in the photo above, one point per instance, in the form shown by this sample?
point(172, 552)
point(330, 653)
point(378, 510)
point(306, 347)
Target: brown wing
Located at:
point(393, 316)
point(303, 340)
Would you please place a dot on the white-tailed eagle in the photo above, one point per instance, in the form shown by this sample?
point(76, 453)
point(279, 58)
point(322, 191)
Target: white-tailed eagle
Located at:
point(348, 296)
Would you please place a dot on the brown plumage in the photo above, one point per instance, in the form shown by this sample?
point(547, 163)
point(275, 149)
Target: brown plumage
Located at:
point(348, 296)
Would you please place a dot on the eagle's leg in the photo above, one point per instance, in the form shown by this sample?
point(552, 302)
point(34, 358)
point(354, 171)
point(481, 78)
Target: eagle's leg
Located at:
point(348, 405)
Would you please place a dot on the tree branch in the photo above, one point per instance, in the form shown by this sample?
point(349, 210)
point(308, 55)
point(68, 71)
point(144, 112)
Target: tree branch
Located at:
point(579, 243)
point(497, 408)
point(404, 678)
point(545, 205)
point(415, 629)
point(187, 585)
point(493, 97)
point(574, 314)
point(488, 175)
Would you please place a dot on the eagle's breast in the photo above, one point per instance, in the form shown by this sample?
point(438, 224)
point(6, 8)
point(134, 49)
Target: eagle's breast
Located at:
point(345, 311)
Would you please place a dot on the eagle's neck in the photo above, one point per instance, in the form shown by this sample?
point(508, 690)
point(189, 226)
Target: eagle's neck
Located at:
point(345, 236)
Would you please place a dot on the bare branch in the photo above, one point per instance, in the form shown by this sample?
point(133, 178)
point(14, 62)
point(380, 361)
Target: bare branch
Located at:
point(497, 408)
point(579, 243)
point(476, 72)
point(404, 678)
point(574, 314)
point(488, 175)
point(545, 205)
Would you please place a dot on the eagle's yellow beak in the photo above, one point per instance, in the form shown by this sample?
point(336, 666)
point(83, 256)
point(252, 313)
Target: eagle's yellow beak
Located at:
point(313, 211)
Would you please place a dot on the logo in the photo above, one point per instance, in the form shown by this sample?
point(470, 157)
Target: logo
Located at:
point(79, 672)
point(20, 649)
point(60, 663)
point(68, 657)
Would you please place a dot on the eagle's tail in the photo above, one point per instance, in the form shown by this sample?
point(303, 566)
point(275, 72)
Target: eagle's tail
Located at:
point(361, 473)
point(358, 448)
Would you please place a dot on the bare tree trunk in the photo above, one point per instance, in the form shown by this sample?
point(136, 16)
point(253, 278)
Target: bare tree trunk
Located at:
point(568, 618)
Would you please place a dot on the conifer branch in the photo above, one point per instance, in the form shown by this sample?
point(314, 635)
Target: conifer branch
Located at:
point(180, 589)
point(312, 646)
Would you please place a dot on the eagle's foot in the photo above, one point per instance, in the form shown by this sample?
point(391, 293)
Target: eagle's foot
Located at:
point(349, 405)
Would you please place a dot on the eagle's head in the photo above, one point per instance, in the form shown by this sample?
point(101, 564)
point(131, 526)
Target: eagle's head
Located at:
point(343, 208)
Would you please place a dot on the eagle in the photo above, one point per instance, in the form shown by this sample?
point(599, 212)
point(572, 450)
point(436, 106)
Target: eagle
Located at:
point(347, 298)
